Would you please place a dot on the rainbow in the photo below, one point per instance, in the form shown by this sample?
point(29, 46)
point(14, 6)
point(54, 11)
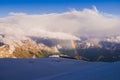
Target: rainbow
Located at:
point(74, 46)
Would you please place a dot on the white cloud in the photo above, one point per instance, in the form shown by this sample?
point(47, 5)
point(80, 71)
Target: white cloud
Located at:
point(89, 22)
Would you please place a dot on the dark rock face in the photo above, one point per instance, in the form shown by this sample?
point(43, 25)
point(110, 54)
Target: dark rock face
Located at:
point(1, 43)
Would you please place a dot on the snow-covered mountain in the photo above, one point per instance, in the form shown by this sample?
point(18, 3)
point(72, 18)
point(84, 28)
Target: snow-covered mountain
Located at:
point(48, 43)
point(23, 48)
point(93, 49)
point(96, 49)
point(42, 45)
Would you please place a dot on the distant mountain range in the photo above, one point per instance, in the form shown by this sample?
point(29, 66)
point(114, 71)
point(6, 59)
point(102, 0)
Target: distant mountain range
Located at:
point(91, 49)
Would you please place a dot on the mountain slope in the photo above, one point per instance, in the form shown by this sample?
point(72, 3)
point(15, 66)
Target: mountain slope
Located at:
point(26, 49)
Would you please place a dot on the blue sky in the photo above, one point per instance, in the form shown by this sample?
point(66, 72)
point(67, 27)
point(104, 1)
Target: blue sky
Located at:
point(56, 6)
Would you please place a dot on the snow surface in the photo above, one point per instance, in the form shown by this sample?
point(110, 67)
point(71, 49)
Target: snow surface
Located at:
point(57, 69)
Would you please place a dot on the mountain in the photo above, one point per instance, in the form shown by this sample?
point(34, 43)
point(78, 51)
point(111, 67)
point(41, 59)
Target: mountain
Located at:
point(44, 45)
point(49, 43)
point(96, 49)
point(26, 48)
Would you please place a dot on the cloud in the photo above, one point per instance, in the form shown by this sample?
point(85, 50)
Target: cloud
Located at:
point(88, 22)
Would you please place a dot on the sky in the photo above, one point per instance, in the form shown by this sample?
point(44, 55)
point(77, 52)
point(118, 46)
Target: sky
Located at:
point(56, 6)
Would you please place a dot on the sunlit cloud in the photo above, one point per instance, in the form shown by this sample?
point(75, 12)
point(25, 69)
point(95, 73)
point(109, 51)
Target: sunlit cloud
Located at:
point(88, 22)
